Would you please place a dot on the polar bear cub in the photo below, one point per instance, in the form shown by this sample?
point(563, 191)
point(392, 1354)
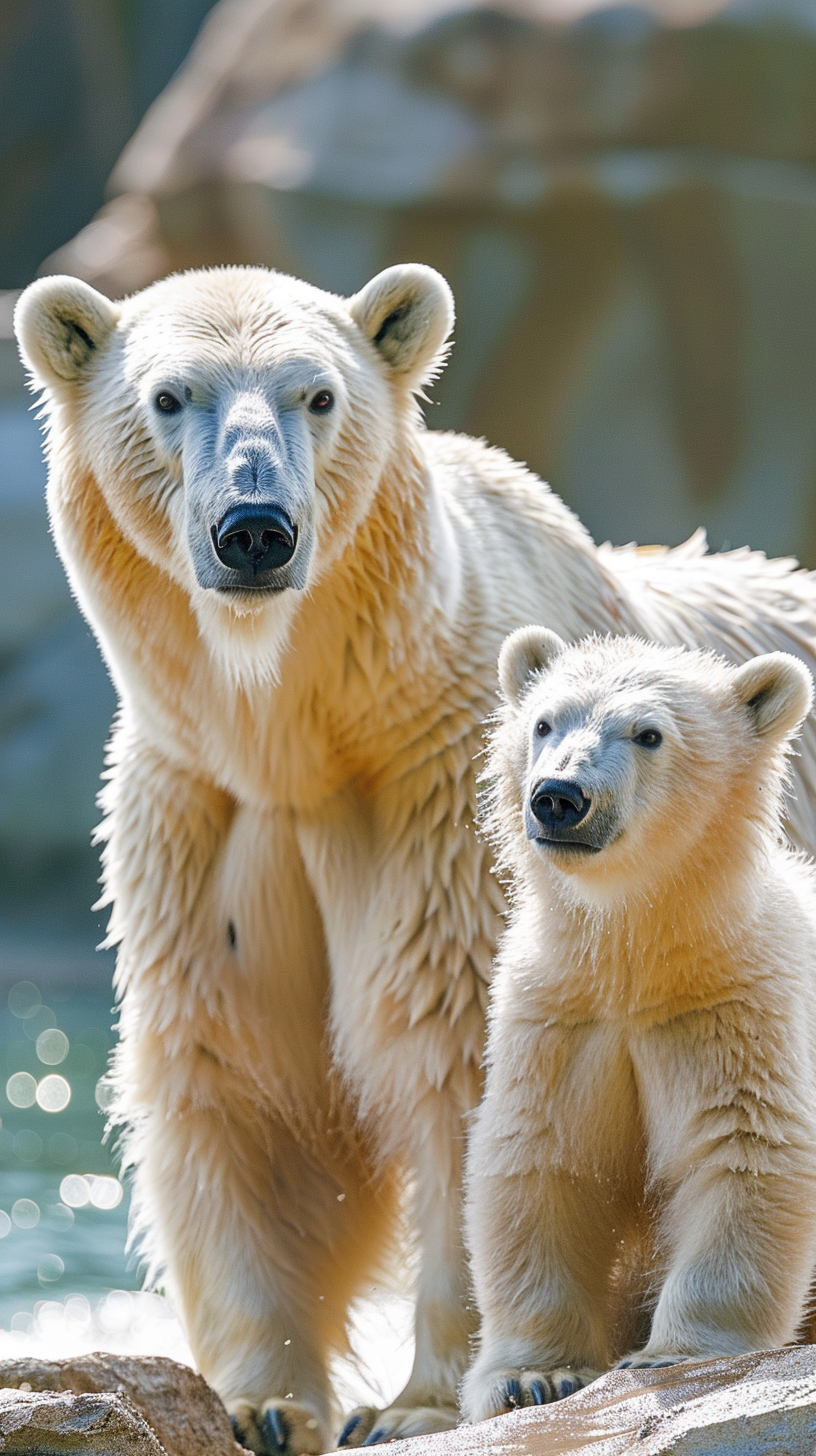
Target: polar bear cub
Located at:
point(649, 1123)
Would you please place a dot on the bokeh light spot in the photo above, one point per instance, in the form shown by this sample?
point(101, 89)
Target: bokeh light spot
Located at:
point(24, 999)
point(25, 1213)
point(53, 1093)
point(105, 1192)
point(5, 1224)
point(50, 1268)
point(43, 1019)
point(53, 1046)
point(27, 1145)
point(78, 1310)
point(62, 1148)
point(104, 1094)
point(21, 1089)
point(116, 1311)
point(74, 1191)
point(60, 1215)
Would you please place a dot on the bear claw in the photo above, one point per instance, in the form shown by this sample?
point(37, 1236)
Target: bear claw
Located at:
point(348, 1431)
point(275, 1428)
point(511, 1390)
point(368, 1426)
point(269, 1430)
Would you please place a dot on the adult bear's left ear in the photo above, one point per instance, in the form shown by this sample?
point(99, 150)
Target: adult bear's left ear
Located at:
point(61, 323)
point(777, 690)
point(407, 313)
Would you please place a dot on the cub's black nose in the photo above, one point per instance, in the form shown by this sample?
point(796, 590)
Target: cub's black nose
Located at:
point(559, 804)
point(254, 539)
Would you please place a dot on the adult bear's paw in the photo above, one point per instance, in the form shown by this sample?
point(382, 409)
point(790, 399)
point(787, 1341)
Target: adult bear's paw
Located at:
point(278, 1428)
point(367, 1426)
point(508, 1390)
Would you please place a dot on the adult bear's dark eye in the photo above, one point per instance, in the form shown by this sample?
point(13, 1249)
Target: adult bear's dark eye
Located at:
point(542, 728)
point(167, 402)
point(322, 402)
point(649, 738)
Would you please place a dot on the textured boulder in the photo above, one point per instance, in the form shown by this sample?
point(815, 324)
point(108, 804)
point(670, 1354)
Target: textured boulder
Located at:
point(104, 1403)
point(51, 1422)
point(748, 1405)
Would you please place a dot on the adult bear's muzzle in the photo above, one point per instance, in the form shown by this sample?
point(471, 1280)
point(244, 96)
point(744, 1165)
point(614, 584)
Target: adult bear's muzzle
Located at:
point(253, 540)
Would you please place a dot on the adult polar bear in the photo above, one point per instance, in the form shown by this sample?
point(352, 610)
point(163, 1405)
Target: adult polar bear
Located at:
point(301, 595)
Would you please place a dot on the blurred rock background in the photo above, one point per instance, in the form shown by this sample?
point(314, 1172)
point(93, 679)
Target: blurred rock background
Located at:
point(623, 198)
point(75, 78)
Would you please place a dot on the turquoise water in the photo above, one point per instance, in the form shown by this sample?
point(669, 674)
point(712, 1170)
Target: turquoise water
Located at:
point(53, 1249)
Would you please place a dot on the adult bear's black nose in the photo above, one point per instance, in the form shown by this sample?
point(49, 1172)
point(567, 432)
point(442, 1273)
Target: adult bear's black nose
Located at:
point(559, 804)
point(254, 539)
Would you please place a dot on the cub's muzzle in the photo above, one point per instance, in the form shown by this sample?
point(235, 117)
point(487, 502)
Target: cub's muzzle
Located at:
point(254, 540)
point(558, 818)
point(559, 805)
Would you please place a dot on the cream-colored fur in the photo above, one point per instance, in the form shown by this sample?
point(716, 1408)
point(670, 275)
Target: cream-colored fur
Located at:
point(651, 1092)
point(305, 917)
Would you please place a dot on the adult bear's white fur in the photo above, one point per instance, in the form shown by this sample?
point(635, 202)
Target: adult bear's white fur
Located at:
point(300, 767)
point(649, 1124)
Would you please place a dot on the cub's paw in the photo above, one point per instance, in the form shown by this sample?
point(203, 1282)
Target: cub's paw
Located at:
point(641, 1361)
point(367, 1426)
point(508, 1390)
point(278, 1428)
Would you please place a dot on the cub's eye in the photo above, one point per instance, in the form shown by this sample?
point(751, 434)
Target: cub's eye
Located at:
point(649, 738)
point(542, 728)
point(167, 402)
point(322, 402)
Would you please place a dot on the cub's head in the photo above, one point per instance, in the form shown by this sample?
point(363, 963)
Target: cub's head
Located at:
point(617, 758)
point(236, 422)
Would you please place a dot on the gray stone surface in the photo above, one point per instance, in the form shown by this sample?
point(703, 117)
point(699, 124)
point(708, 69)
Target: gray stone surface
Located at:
point(48, 1424)
point(751, 1405)
point(111, 1404)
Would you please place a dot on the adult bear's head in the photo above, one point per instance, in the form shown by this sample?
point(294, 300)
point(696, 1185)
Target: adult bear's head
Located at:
point(237, 422)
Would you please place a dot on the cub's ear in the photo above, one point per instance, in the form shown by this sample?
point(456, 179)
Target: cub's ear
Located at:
point(525, 653)
point(407, 313)
point(60, 322)
point(777, 689)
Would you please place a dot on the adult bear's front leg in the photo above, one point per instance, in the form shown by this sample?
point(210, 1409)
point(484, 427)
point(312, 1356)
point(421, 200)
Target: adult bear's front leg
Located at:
point(444, 1319)
point(253, 1189)
point(411, 912)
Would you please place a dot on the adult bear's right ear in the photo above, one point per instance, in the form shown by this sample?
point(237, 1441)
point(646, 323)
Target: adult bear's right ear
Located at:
point(524, 653)
point(407, 313)
point(60, 322)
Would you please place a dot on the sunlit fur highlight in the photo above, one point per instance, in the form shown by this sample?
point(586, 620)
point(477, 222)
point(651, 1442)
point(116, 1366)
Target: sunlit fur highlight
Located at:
point(647, 1142)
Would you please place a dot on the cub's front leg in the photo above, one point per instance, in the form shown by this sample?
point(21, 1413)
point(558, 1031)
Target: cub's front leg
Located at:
point(254, 1192)
point(547, 1173)
point(732, 1142)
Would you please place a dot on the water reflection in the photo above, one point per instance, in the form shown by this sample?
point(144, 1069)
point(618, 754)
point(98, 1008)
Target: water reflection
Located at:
point(63, 1210)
